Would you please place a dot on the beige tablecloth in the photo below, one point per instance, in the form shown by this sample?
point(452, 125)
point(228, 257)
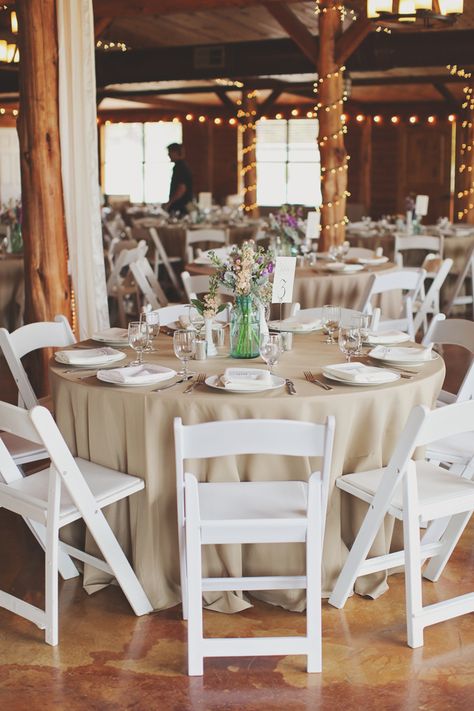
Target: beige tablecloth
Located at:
point(132, 430)
point(12, 291)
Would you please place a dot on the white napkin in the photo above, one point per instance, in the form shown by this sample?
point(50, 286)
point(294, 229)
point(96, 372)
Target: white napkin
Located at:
point(342, 267)
point(387, 337)
point(183, 321)
point(112, 334)
point(246, 378)
point(293, 324)
point(360, 373)
point(136, 374)
point(373, 261)
point(99, 356)
point(406, 355)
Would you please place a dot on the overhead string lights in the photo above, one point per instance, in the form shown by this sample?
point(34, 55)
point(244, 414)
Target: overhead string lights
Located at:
point(247, 120)
point(467, 142)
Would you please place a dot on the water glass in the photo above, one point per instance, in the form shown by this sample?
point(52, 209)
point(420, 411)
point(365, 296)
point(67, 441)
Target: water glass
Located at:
point(138, 339)
point(196, 319)
point(184, 344)
point(331, 318)
point(270, 349)
point(349, 341)
point(152, 321)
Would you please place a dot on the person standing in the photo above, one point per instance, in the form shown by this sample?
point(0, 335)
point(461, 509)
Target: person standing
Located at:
point(181, 187)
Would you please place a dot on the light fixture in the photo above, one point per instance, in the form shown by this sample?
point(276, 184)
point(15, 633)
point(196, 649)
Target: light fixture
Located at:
point(294, 112)
point(14, 23)
point(399, 13)
point(360, 118)
point(452, 118)
point(232, 121)
point(201, 119)
point(377, 119)
point(395, 119)
point(189, 117)
point(431, 119)
point(217, 121)
point(278, 116)
point(413, 119)
point(309, 114)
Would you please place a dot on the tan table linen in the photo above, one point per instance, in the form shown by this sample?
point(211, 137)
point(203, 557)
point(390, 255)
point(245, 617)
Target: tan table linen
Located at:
point(12, 291)
point(131, 429)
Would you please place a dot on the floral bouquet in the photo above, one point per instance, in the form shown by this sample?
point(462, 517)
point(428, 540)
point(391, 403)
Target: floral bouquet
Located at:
point(288, 224)
point(11, 215)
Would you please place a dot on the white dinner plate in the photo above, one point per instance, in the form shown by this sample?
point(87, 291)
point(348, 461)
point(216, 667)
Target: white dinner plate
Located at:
point(275, 326)
point(404, 363)
point(118, 340)
point(213, 381)
point(94, 363)
point(372, 383)
point(162, 374)
point(339, 267)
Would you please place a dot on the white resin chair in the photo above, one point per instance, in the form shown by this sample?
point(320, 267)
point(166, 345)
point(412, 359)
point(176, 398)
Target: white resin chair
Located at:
point(457, 299)
point(429, 303)
point(69, 489)
point(426, 243)
point(251, 512)
point(202, 236)
point(161, 257)
point(346, 314)
point(414, 492)
point(121, 285)
point(195, 284)
point(409, 281)
point(170, 314)
point(147, 283)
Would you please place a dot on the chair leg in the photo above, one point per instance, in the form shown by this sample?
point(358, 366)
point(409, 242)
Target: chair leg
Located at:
point(453, 533)
point(411, 539)
point(66, 566)
point(313, 577)
point(183, 575)
point(194, 573)
point(51, 587)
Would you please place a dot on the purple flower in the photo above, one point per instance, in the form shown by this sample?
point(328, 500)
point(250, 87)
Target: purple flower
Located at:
point(270, 267)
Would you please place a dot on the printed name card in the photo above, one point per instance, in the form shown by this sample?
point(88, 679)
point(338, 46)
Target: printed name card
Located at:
point(205, 201)
point(421, 205)
point(283, 280)
point(312, 225)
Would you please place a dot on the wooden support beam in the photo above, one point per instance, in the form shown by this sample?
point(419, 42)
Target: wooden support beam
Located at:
point(226, 100)
point(269, 101)
point(47, 290)
point(347, 44)
point(247, 118)
point(125, 8)
point(100, 25)
point(293, 26)
point(446, 94)
point(465, 160)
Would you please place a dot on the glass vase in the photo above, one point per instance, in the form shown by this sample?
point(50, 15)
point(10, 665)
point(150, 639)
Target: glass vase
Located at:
point(16, 238)
point(244, 328)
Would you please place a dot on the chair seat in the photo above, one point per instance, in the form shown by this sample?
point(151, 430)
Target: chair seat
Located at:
point(106, 485)
point(435, 486)
point(22, 450)
point(457, 448)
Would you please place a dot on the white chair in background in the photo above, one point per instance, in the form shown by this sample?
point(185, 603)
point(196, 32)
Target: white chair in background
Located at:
point(195, 284)
point(161, 257)
point(429, 303)
point(69, 489)
point(414, 491)
point(147, 283)
point(363, 253)
point(467, 273)
point(202, 236)
point(426, 243)
point(171, 314)
point(120, 286)
point(346, 314)
point(409, 281)
point(251, 512)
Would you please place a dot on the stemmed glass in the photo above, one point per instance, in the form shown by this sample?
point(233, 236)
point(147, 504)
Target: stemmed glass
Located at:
point(331, 318)
point(349, 341)
point(270, 349)
point(137, 339)
point(184, 343)
point(196, 320)
point(363, 324)
point(151, 319)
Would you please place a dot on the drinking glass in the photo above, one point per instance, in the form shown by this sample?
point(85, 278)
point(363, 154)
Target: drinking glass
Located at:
point(349, 341)
point(137, 339)
point(363, 324)
point(151, 319)
point(184, 344)
point(270, 349)
point(331, 318)
point(196, 320)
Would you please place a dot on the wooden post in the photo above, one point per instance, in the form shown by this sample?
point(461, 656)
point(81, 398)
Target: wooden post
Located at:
point(47, 290)
point(247, 116)
point(365, 193)
point(331, 138)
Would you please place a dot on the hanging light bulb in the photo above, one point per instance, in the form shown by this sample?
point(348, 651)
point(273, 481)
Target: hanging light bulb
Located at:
point(14, 22)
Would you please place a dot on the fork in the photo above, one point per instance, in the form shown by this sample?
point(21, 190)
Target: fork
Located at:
point(311, 379)
point(198, 380)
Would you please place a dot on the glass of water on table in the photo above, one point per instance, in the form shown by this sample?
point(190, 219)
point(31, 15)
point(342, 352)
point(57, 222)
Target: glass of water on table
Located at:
point(331, 318)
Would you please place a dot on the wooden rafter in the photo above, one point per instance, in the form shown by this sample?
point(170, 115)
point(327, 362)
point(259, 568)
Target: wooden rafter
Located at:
point(125, 8)
point(269, 101)
point(350, 40)
point(293, 26)
point(101, 25)
point(445, 93)
point(226, 100)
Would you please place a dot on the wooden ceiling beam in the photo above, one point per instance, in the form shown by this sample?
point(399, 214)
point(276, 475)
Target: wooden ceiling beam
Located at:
point(226, 100)
point(269, 101)
point(293, 26)
point(446, 94)
point(351, 39)
point(100, 25)
point(125, 8)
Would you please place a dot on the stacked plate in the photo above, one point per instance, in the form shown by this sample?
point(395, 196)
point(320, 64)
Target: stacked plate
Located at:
point(344, 268)
point(359, 375)
point(112, 337)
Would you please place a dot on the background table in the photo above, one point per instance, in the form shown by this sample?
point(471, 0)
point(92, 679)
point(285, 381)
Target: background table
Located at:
point(12, 294)
point(131, 429)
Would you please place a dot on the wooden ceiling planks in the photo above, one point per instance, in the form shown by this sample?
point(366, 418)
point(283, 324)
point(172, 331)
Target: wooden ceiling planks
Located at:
point(125, 8)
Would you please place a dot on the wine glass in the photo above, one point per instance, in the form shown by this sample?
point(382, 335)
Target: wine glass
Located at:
point(349, 341)
point(331, 318)
point(184, 344)
point(196, 319)
point(363, 324)
point(151, 319)
point(137, 339)
point(270, 349)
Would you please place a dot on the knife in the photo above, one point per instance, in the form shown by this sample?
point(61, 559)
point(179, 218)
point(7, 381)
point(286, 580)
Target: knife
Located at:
point(290, 387)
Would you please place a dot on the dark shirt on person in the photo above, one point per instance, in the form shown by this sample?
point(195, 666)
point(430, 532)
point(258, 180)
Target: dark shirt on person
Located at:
point(181, 176)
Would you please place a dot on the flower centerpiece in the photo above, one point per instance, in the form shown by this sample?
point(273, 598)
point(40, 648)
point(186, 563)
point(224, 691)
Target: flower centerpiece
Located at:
point(288, 228)
point(11, 216)
point(246, 273)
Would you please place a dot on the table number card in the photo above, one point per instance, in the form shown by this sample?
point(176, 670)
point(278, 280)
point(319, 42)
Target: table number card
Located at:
point(313, 225)
point(283, 280)
point(421, 205)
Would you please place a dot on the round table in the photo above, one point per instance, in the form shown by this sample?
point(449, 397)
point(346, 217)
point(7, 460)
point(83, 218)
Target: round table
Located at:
point(131, 429)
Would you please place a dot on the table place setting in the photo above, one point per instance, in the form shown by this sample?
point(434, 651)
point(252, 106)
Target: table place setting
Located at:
point(296, 324)
point(386, 338)
point(245, 380)
point(344, 267)
point(112, 337)
point(89, 357)
point(359, 374)
point(400, 356)
point(136, 375)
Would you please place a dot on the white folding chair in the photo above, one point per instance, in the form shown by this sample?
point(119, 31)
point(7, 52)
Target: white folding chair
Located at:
point(193, 285)
point(457, 299)
point(251, 512)
point(201, 236)
point(414, 491)
point(409, 281)
point(418, 242)
point(346, 314)
point(161, 257)
point(429, 303)
point(147, 283)
point(28, 338)
point(119, 286)
point(170, 314)
point(69, 489)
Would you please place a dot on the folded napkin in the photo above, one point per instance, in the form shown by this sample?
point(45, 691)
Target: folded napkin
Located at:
point(98, 356)
point(294, 324)
point(372, 261)
point(343, 267)
point(112, 334)
point(405, 355)
point(360, 373)
point(136, 374)
point(183, 321)
point(246, 378)
point(387, 337)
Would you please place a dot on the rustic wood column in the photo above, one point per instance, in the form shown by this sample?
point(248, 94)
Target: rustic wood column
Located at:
point(465, 161)
point(43, 226)
point(247, 116)
point(331, 140)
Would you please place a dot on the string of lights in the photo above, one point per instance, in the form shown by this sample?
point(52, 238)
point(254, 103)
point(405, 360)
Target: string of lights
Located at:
point(467, 142)
point(247, 125)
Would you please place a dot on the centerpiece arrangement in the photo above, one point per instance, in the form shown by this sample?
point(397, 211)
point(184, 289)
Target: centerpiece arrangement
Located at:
point(245, 273)
point(10, 215)
point(287, 226)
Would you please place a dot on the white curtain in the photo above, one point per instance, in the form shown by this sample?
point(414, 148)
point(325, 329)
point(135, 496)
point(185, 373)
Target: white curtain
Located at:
point(79, 159)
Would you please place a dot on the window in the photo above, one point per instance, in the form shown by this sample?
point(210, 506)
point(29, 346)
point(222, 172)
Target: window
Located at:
point(136, 160)
point(288, 163)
